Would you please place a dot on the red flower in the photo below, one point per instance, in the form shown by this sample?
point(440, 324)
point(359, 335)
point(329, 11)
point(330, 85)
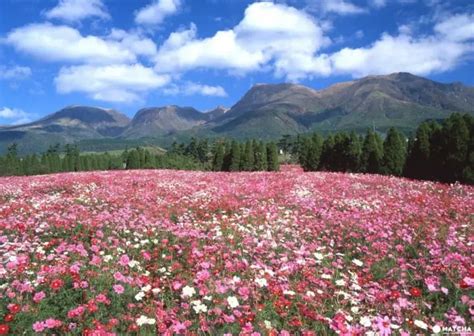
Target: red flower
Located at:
point(14, 308)
point(395, 294)
point(416, 292)
point(57, 284)
point(4, 329)
point(9, 317)
point(463, 284)
point(133, 327)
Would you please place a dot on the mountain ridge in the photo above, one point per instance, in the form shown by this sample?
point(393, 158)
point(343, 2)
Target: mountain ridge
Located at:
point(265, 111)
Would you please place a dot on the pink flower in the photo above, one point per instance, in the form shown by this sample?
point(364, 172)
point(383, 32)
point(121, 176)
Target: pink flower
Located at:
point(124, 260)
point(118, 289)
point(39, 296)
point(203, 275)
point(52, 323)
point(39, 326)
point(384, 326)
point(119, 276)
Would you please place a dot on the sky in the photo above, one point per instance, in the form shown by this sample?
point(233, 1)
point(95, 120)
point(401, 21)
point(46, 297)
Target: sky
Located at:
point(130, 54)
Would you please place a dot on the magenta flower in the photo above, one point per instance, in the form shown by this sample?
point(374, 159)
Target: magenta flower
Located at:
point(118, 289)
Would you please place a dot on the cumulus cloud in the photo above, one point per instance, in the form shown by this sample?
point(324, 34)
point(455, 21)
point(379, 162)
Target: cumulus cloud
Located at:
point(112, 83)
point(61, 43)
point(15, 116)
point(134, 42)
point(191, 89)
point(15, 72)
point(270, 35)
point(423, 55)
point(157, 11)
point(76, 10)
point(457, 27)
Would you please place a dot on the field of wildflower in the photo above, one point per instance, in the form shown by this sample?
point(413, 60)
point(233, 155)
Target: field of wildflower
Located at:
point(194, 253)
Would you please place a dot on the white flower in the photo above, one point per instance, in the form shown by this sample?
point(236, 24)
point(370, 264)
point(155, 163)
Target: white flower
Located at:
point(326, 276)
point(355, 310)
point(261, 282)
point(208, 298)
point(268, 324)
point(318, 256)
point(199, 307)
point(188, 291)
point(340, 282)
point(145, 320)
point(365, 321)
point(436, 329)
point(421, 324)
point(310, 294)
point(133, 263)
point(156, 291)
point(357, 262)
point(289, 292)
point(139, 296)
point(232, 302)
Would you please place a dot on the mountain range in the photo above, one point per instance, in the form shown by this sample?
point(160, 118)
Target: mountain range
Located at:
point(266, 111)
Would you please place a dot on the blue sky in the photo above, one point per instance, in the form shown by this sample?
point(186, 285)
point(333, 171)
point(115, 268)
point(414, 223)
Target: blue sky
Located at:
point(128, 54)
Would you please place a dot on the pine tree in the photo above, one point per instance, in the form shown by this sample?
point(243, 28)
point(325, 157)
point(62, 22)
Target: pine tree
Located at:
point(235, 157)
point(456, 132)
point(272, 157)
point(394, 153)
point(327, 154)
point(133, 160)
point(354, 152)
point(418, 163)
point(248, 159)
point(218, 161)
point(260, 153)
point(372, 153)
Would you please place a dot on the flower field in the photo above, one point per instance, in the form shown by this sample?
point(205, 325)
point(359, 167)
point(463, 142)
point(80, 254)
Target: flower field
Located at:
point(195, 253)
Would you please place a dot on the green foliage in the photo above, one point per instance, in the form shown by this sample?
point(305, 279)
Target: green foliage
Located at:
point(442, 152)
point(372, 153)
point(394, 153)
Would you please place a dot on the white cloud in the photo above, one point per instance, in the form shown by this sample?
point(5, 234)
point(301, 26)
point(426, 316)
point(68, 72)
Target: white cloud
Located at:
point(457, 27)
point(15, 116)
point(157, 11)
point(390, 54)
point(113, 83)
point(270, 36)
point(191, 89)
point(61, 43)
point(340, 7)
point(76, 10)
point(14, 72)
point(134, 42)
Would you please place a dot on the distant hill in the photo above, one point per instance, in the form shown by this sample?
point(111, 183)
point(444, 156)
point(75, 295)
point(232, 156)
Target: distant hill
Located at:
point(266, 111)
point(402, 100)
point(72, 123)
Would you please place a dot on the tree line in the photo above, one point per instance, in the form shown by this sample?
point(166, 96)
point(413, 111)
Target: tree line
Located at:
point(222, 155)
point(437, 151)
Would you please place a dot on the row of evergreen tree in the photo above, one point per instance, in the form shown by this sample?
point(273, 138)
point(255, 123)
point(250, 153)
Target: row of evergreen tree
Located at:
point(443, 152)
point(226, 155)
point(221, 155)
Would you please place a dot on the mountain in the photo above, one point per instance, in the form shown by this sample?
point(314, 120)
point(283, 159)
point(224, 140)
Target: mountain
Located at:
point(402, 100)
point(159, 121)
point(265, 111)
point(68, 125)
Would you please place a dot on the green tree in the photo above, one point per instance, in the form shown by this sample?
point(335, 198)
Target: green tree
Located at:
point(272, 157)
point(235, 157)
point(218, 160)
point(394, 153)
point(372, 153)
